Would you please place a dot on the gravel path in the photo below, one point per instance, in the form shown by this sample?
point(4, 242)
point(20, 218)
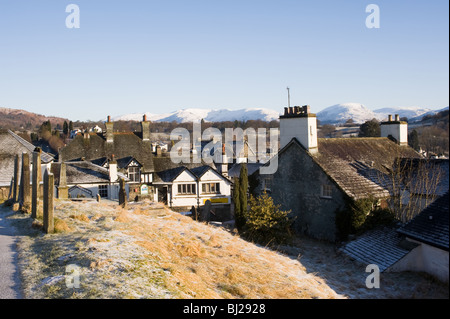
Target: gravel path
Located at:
point(9, 279)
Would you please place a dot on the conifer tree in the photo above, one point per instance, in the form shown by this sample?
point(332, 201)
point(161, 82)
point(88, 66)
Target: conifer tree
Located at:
point(266, 222)
point(236, 198)
point(242, 187)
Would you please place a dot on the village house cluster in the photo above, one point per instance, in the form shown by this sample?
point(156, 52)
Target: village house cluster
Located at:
point(315, 179)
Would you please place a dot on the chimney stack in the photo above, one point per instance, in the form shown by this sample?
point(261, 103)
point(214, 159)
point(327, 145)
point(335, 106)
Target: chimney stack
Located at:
point(112, 170)
point(224, 165)
point(396, 130)
point(297, 122)
point(109, 130)
point(145, 127)
point(158, 151)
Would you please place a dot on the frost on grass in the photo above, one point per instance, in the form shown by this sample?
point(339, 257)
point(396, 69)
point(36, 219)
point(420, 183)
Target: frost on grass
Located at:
point(148, 251)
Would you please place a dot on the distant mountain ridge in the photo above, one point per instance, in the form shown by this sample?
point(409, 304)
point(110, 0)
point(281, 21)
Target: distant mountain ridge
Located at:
point(21, 119)
point(336, 114)
point(340, 113)
point(209, 115)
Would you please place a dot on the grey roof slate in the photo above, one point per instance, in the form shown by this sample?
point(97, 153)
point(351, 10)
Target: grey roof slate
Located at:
point(235, 170)
point(356, 164)
point(95, 148)
point(431, 226)
point(380, 247)
point(11, 145)
point(83, 172)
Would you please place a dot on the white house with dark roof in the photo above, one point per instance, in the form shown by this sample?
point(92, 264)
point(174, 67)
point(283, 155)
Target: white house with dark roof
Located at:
point(184, 187)
point(87, 180)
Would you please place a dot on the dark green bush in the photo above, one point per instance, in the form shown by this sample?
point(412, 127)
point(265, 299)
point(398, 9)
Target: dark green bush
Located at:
point(266, 223)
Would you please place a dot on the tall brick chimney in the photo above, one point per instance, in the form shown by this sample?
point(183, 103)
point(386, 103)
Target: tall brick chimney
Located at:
point(109, 130)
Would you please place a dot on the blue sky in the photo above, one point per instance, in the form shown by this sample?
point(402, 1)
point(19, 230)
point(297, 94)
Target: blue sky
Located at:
point(159, 56)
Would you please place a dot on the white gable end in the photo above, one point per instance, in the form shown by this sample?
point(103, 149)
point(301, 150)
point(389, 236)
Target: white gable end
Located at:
point(212, 175)
point(185, 176)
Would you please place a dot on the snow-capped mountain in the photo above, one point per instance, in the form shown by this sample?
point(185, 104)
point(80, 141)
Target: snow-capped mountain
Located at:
point(359, 113)
point(209, 115)
point(407, 111)
point(336, 114)
point(432, 112)
point(340, 113)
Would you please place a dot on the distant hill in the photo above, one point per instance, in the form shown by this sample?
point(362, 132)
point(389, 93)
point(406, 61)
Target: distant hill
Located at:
point(340, 113)
point(23, 120)
point(209, 115)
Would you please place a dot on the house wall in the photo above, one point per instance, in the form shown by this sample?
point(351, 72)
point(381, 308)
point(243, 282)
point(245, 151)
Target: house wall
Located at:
point(296, 186)
point(182, 200)
point(113, 191)
point(224, 197)
point(426, 258)
point(179, 200)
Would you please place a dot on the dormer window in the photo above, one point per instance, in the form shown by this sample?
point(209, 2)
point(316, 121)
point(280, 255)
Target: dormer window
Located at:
point(134, 174)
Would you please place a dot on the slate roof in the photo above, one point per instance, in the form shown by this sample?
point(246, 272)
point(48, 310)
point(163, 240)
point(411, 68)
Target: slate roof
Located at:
point(357, 165)
point(83, 172)
point(431, 225)
point(235, 170)
point(11, 145)
point(95, 148)
point(166, 169)
point(381, 247)
point(210, 147)
point(169, 175)
point(436, 169)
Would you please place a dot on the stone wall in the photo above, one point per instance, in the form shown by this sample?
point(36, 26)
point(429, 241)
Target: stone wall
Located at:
point(297, 187)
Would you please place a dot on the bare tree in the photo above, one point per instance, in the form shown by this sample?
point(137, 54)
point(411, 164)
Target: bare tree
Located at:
point(413, 184)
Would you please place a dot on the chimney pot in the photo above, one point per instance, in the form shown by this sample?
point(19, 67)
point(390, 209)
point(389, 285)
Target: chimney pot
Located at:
point(390, 118)
point(109, 119)
point(286, 111)
point(397, 117)
point(145, 118)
